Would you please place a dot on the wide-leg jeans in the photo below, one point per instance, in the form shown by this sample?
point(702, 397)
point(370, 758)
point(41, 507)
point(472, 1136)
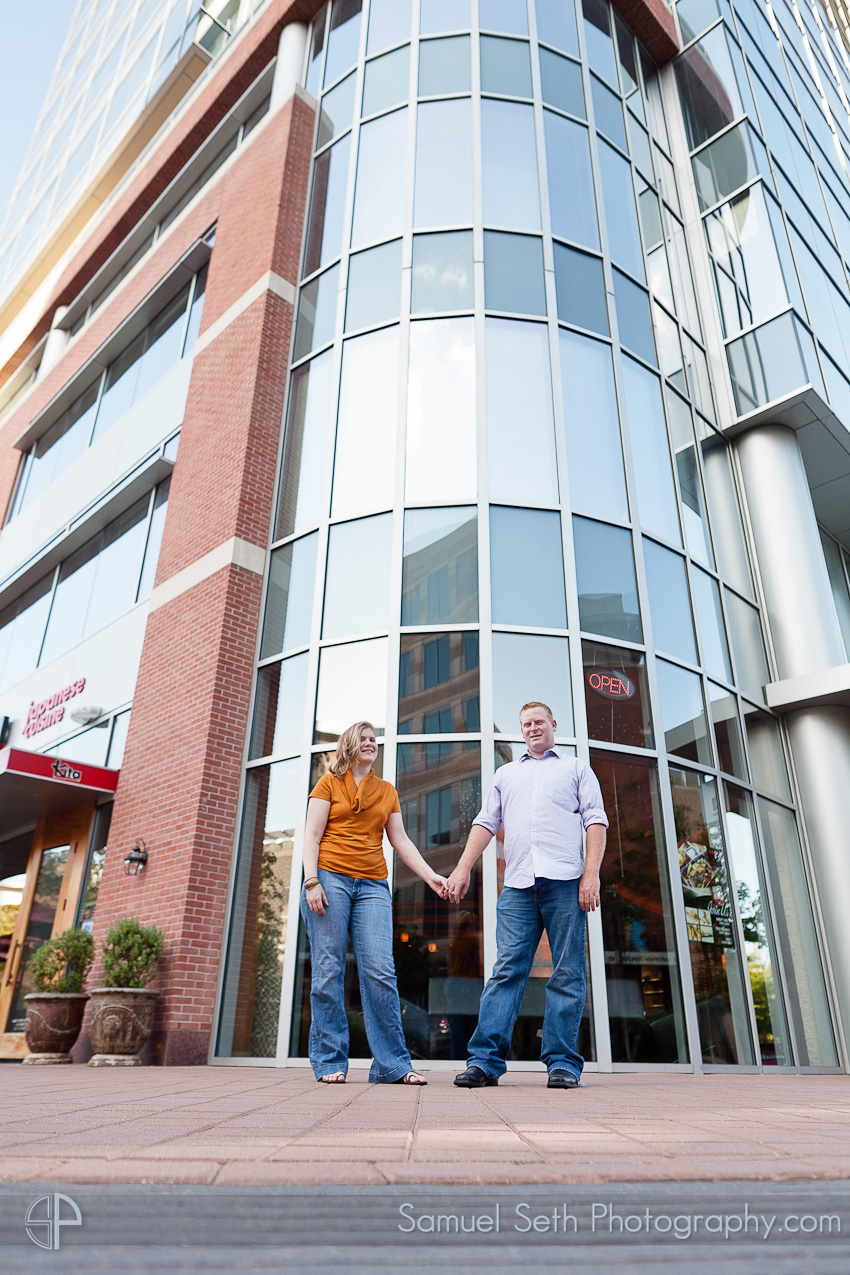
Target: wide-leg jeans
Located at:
point(363, 909)
point(521, 917)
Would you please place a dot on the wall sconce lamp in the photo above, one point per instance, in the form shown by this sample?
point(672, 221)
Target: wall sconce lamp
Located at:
point(137, 858)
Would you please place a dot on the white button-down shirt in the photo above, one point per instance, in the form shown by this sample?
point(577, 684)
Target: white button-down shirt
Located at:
point(543, 802)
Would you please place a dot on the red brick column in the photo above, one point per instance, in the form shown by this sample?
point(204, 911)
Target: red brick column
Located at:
point(180, 779)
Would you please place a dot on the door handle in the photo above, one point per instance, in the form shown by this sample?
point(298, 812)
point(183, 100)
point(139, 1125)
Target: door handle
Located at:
point(10, 963)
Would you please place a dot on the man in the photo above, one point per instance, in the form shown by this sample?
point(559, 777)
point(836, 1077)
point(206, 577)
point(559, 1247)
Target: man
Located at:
point(543, 800)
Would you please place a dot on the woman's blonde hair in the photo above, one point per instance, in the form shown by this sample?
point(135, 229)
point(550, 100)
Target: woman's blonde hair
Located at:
point(348, 748)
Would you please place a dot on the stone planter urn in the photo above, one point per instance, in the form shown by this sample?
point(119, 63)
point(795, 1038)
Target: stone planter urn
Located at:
point(53, 1024)
point(121, 1023)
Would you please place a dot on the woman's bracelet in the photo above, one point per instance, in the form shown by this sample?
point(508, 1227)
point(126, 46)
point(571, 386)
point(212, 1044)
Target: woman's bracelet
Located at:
point(308, 885)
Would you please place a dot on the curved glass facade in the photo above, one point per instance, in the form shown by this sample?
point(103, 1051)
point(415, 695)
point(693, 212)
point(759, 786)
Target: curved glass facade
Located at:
point(501, 480)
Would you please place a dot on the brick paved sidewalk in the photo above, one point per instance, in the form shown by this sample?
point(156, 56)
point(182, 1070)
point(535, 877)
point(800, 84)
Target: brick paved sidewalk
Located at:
point(232, 1126)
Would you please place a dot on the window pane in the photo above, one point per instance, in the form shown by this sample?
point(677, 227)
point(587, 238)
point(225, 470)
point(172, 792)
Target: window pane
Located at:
point(368, 408)
point(441, 412)
point(438, 690)
point(374, 286)
point(712, 635)
point(633, 317)
point(556, 24)
point(745, 260)
point(620, 211)
point(669, 604)
point(597, 484)
point(597, 34)
point(727, 732)
point(21, 630)
point(838, 581)
point(505, 67)
point(522, 462)
point(386, 81)
point(645, 1009)
point(438, 950)
point(692, 503)
point(751, 671)
point(305, 448)
point(716, 961)
point(560, 80)
point(708, 88)
point(580, 287)
point(253, 978)
point(759, 940)
point(608, 111)
point(357, 586)
point(683, 713)
point(617, 700)
point(520, 662)
point(443, 15)
point(343, 38)
point(381, 176)
point(336, 112)
point(767, 756)
point(726, 522)
point(519, 537)
point(607, 589)
point(317, 313)
point(513, 273)
point(442, 272)
point(352, 688)
point(439, 580)
point(651, 452)
point(67, 439)
point(443, 192)
point(389, 23)
point(279, 705)
point(509, 159)
point(154, 540)
point(572, 203)
point(808, 1003)
point(445, 66)
point(510, 16)
point(327, 206)
point(164, 342)
point(289, 601)
point(119, 391)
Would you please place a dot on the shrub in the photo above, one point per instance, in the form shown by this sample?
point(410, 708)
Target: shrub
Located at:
point(130, 952)
point(61, 964)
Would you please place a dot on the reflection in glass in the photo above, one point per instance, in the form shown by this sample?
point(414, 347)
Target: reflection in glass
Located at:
point(729, 163)
point(442, 272)
point(510, 16)
point(719, 986)
point(357, 587)
point(759, 941)
point(726, 521)
point(808, 1003)
point(317, 46)
point(386, 81)
point(709, 90)
point(597, 34)
point(438, 691)
point(336, 111)
point(617, 700)
point(770, 362)
point(509, 159)
point(683, 713)
point(656, 494)
point(520, 595)
point(605, 572)
point(692, 500)
point(438, 951)
point(620, 211)
point(289, 601)
point(439, 580)
point(441, 409)
point(317, 313)
point(522, 461)
point(513, 273)
point(745, 258)
point(278, 727)
point(343, 38)
point(374, 286)
point(305, 447)
point(597, 484)
point(580, 288)
point(368, 410)
point(712, 634)
point(556, 24)
point(48, 891)
point(572, 203)
point(560, 82)
point(505, 67)
point(767, 756)
point(22, 629)
point(608, 112)
point(443, 15)
point(352, 688)
point(256, 941)
point(445, 66)
point(389, 23)
point(641, 965)
point(727, 732)
point(633, 319)
point(381, 169)
point(443, 190)
point(327, 206)
point(838, 583)
point(751, 669)
point(669, 348)
point(522, 661)
point(669, 604)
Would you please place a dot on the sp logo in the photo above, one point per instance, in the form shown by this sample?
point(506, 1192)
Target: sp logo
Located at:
point(45, 1220)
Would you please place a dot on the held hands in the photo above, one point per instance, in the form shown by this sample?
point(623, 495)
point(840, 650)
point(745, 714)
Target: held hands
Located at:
point(588, 891)
point(317, 900)
point(439, 885)
point(457, 885)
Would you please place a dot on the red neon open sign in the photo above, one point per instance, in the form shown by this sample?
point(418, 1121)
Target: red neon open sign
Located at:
point(611, 685)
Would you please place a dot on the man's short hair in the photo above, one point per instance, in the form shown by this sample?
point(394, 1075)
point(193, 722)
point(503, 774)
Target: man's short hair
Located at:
point(537, 703)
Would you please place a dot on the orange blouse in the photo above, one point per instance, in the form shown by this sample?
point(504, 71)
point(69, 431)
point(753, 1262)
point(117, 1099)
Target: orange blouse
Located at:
point(353, 839)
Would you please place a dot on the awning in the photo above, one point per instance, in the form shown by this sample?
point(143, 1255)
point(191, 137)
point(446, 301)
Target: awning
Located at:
point(35, 785)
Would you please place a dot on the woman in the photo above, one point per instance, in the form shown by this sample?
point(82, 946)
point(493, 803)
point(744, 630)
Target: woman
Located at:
point(346, 893)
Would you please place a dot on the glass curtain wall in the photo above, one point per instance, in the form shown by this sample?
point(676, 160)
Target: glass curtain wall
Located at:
point(502, 481)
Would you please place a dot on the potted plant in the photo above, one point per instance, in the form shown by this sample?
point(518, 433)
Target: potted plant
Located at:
point(55, 1009)
point(123, 1007)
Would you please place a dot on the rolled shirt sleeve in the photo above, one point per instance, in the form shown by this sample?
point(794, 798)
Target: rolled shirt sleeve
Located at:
point(490, 814)
point(590, 805)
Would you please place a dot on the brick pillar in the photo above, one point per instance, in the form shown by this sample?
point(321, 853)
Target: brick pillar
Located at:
point(180, 779)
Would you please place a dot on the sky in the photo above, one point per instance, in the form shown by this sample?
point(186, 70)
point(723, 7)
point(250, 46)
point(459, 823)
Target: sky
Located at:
point(33, 32)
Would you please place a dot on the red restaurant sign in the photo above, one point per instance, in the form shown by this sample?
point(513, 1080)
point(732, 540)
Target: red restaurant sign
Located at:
point(14, 761)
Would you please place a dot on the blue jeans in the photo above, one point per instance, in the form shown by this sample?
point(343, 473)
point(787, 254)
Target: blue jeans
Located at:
point(521, 917)
point(363, 909)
